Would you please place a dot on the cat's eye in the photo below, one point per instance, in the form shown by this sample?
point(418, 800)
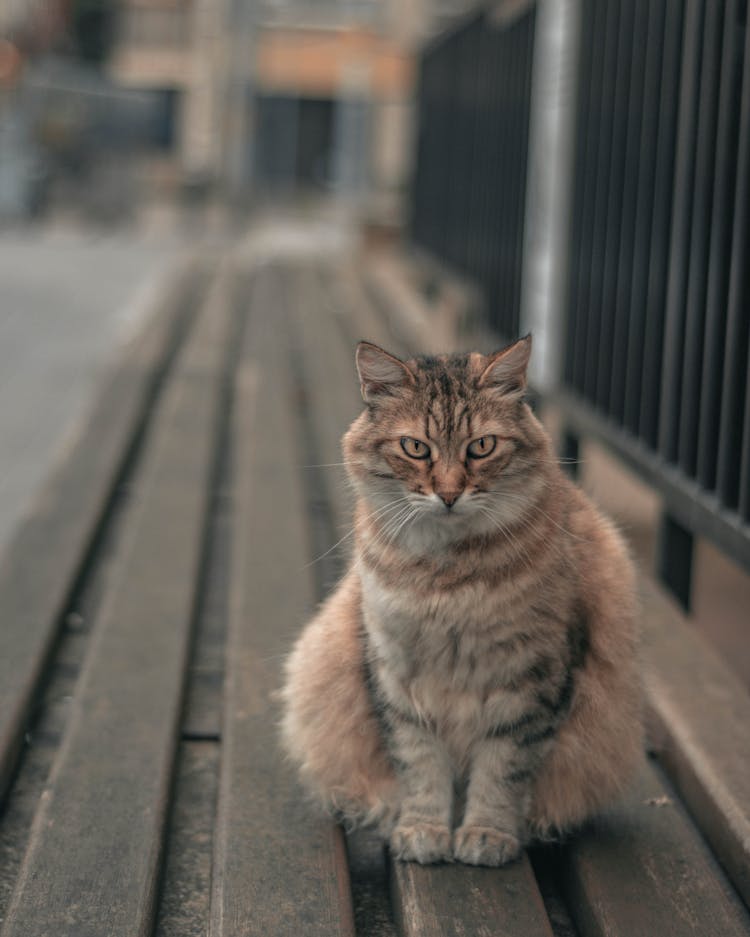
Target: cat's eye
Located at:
point(415, 448)
point(479, 448)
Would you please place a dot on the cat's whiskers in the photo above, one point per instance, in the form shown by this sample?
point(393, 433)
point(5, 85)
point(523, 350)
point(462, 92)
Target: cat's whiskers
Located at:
point(539, 461)
point(411, 516)
point(374, 514)
point(515, 547)
point(527, 523)
point(333, 464)
point(387, 535)
point(383, 536)
point(519, 499)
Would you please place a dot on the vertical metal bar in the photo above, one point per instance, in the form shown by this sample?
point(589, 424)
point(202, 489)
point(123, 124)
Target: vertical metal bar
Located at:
point(615, 204)
point(642, 46)
point(492, 137)
point(448, 101)
point(473, 192)
point(492, 131)
point(581, 273)
point(507, 61)
point(514, 124)
point(700, 237)
point(570, 452)
point(722, 222)
point(439, 160)
point(529, 35)
point(604, 157)
point(659, 245)
point(733, 470)
point(644, 212)
point(573, 330)
point(674, 558)
point(674, 329)
point(458, 152)
point(484, 211)
point(460, 140)
point(744, 492)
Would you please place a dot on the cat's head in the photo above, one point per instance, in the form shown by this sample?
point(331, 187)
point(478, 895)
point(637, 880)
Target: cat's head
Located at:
point(448, 441)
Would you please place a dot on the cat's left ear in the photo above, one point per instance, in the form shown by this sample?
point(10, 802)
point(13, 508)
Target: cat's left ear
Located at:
point(506, 369)
point(379, 372)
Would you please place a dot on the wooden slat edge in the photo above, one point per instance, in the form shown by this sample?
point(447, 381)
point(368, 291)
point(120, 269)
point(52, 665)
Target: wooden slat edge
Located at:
point(701, 714)
point(40, 565)
point(642, 868)
point(93, 861)
point(426, 329)
point(279, 868)
point(457, 900)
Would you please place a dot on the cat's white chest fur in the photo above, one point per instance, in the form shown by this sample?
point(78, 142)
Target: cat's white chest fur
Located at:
point(438, 656)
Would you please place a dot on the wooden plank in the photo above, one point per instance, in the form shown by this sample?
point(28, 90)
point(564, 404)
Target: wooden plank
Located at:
point(93, 861)
point(444, 900)
point(278, 869)
point(361, 317)
point(325, 363)
point(47, 554)
point(463, 901)
point(642, 868)
point(701, 715)
point(186, 891)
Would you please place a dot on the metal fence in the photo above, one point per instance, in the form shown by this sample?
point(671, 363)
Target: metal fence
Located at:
point(657, 303)
point(472, 154)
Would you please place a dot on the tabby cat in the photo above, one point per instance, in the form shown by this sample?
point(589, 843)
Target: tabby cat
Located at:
point(472, 683)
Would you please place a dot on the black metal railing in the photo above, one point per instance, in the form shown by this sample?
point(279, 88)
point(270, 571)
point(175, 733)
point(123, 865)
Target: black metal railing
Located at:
point(658, 304)
point(469, 188)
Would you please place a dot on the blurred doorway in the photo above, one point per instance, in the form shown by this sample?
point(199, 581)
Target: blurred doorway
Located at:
point(294, 143)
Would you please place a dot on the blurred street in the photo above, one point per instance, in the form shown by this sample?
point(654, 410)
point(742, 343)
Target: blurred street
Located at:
point(69, 299)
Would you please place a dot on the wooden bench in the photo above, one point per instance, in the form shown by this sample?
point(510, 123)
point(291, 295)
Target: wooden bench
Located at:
point(145, 609)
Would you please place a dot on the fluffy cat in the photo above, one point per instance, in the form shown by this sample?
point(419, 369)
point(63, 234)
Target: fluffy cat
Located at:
point(472, 683)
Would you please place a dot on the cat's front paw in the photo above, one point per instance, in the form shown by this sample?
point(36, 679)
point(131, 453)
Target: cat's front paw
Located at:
point(483, 845)
point(422, 842)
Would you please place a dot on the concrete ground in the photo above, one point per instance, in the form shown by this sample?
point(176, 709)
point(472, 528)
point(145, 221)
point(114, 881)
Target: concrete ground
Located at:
point(68, 299)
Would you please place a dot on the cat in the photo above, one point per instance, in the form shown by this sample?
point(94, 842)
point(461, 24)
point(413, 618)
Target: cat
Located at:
point(472, 684)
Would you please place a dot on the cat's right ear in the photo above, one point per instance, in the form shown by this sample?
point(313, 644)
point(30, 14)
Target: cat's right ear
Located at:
point(379, 372)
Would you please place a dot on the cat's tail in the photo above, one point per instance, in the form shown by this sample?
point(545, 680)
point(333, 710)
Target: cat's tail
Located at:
point(598, 751)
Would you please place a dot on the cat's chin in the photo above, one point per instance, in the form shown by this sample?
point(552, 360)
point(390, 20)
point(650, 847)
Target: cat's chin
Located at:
point(437, 529)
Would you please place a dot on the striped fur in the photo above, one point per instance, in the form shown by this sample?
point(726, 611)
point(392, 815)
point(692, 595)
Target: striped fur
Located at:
point(483, 653)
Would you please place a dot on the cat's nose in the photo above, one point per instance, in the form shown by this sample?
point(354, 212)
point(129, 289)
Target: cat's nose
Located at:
point(449, 498)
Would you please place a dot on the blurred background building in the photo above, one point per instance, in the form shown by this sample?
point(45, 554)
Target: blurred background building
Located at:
point(582, 164)
point(253, 99)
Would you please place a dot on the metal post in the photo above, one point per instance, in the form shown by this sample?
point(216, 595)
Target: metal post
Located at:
point(569, 452)
point(674, 558)
point(549, 184)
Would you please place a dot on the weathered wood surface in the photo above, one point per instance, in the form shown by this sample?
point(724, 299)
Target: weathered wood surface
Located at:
point(245, 852)
point(93, 862)
point(39, 568)
point(642, 868)
point(459, 901)
point(186, 886)
point(701, 717)
point(279, 868)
